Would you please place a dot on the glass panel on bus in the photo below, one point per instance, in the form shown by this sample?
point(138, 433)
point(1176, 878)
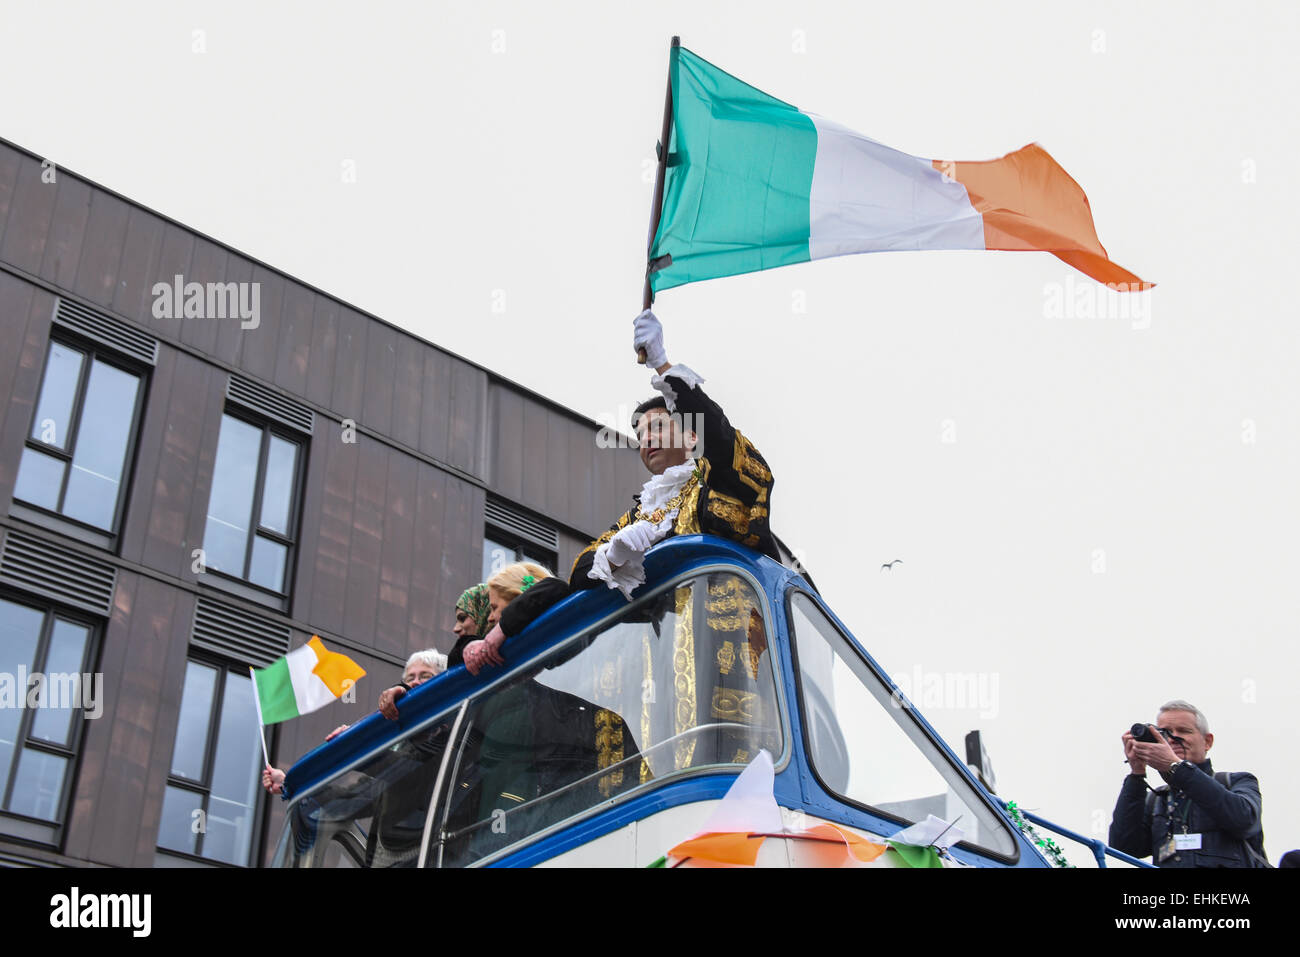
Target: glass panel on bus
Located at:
point(866, 746)
point(682, 681)
point(372, 815)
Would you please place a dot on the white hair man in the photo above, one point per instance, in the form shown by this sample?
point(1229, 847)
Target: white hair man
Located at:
point(1199, 818)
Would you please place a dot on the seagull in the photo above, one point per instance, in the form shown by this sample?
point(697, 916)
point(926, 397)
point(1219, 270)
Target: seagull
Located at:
point(890, 565)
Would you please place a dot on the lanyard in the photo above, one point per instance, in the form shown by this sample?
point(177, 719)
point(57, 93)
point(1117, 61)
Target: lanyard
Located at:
point(1172, 807)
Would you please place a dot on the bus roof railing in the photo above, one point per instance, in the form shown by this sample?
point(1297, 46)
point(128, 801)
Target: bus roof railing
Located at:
point(1100, 849)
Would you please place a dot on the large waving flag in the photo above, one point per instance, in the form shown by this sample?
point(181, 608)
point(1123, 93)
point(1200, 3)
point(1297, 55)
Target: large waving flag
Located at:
point(753, 183)
point(303, 681)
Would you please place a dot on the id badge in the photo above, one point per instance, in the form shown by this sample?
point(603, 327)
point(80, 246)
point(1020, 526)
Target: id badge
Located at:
point(1187, 842)
point(1167, 850)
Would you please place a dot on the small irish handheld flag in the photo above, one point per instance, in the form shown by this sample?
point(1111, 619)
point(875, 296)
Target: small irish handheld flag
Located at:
point(751, 182)
point(304, 680)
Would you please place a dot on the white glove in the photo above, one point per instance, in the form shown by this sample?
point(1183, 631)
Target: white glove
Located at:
point(635, 539)
point(648, 334)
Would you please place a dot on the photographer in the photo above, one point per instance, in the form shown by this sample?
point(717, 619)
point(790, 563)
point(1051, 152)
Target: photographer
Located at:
point(1200, 818)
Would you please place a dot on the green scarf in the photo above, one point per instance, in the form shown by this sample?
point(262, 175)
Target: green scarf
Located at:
point(474, 602)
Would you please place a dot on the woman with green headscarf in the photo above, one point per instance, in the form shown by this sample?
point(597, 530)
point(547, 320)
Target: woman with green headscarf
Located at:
point(472, 610)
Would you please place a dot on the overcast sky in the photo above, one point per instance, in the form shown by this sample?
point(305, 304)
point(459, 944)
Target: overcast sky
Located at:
point(1095, 513)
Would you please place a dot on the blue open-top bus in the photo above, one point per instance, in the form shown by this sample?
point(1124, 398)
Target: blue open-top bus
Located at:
point(615, 727)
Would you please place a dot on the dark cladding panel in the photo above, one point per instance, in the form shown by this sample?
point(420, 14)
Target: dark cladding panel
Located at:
point(435, 409)
point(165, 308)
point(610, 500)
point(10, 160)
point(149, 453)
point(407, 392)
point(362, 594)
point(85, 811)
point(394, 618)
point(101, 253)
point(67, 230)
point(431, 614)
point(30, 212)
point(324, 351)
point(381, 361)
point(167, 708)
point(507, 466)
point(230, 333)
point(338, 460)
point(558, 466)
point(349, 366)
point(580, 511)
point(260, 340)
point(208, 265)
point(468, 414)
point(294, 354)
point(171, 535)
point(138, 268)
point(534, 482)
point(15, 307)
point(139, 749)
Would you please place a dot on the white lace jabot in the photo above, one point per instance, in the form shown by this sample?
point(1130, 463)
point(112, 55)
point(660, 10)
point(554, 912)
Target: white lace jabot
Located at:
point(657, 492)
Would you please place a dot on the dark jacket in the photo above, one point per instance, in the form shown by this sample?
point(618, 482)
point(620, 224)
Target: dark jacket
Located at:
point(1225, 817)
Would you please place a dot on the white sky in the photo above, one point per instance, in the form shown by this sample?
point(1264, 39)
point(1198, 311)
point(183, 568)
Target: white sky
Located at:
point(524, 171)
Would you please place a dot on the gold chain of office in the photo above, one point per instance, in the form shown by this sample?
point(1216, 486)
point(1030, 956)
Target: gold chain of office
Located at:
point(658, 514)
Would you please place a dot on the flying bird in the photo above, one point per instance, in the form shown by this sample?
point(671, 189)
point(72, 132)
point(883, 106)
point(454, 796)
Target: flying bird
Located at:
point(890, 565)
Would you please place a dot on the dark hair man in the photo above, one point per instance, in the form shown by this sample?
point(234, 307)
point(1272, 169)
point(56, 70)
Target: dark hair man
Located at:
point(705, 476)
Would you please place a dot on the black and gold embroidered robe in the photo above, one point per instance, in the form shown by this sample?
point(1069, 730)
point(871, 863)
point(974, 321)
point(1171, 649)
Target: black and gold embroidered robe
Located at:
point(731, 498)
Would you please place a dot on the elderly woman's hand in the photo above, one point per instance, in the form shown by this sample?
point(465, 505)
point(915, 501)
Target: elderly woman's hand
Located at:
point(388, 701)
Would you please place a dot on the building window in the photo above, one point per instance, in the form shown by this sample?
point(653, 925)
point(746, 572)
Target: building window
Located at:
point(209, 809)
point(44, 689)
point(252, 511)
point(501, 549)
point(80, 437)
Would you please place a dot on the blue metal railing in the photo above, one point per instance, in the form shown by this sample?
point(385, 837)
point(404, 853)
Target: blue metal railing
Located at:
point(1099, 848)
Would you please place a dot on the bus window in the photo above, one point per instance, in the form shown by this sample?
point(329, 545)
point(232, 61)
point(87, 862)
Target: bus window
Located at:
point(866, 746)
point(372, 815)
point(682, 681)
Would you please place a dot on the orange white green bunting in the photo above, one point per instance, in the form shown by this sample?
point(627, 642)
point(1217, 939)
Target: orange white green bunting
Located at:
point(834, 847)
point(303, 681)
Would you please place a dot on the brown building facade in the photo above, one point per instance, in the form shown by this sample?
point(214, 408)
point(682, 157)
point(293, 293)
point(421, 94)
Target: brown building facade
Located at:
point(203, 462)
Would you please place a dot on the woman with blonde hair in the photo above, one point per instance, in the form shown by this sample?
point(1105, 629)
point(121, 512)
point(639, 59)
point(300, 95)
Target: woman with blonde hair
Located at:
point(503, 588)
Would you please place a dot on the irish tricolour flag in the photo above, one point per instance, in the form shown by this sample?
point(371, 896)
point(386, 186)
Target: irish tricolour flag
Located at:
point(304, 680)
point(752, 183)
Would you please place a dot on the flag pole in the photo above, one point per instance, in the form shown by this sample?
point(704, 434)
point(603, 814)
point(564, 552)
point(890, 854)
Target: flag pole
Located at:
point(261, 728)
point(656, 204)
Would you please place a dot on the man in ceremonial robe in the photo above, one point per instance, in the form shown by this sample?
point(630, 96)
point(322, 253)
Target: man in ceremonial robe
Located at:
point(705, 476)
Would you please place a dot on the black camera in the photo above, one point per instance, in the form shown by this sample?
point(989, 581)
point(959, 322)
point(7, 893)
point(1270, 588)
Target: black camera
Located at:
point(1141, 731)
